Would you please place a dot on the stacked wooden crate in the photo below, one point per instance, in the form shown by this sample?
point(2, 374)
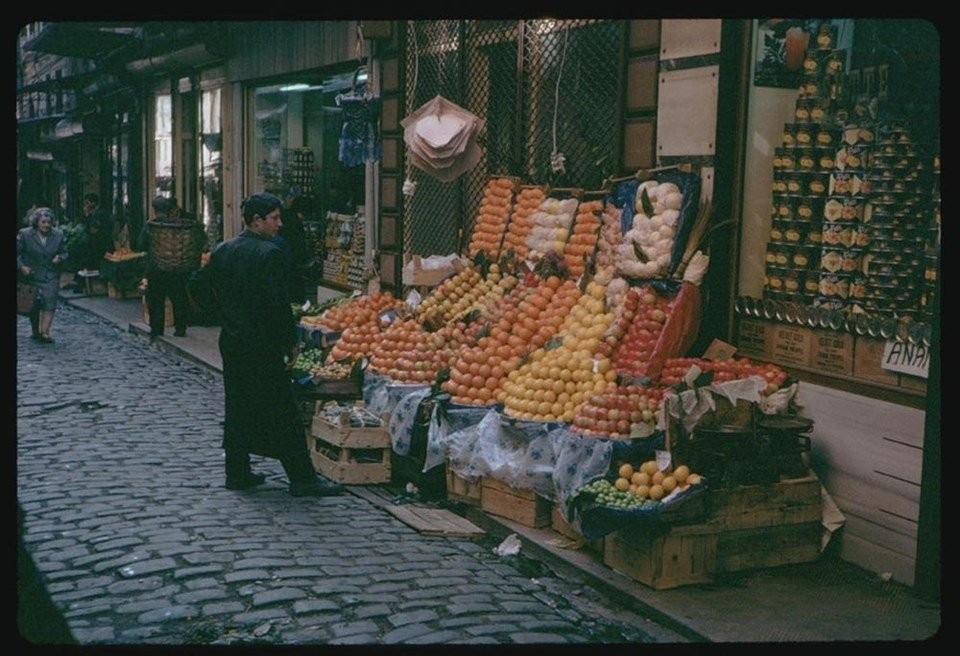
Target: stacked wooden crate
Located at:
point(353, 455)
point(749, 527)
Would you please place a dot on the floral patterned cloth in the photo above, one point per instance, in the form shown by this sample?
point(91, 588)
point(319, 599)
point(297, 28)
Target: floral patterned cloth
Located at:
point(546, 457)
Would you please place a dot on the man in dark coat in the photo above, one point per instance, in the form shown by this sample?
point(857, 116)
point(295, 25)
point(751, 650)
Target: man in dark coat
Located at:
point(244, 283)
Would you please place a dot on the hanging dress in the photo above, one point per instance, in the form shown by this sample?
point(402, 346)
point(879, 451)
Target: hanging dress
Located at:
point(360, 134)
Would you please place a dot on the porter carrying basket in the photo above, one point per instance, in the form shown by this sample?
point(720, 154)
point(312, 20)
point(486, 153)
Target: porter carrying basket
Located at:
point(175, 246)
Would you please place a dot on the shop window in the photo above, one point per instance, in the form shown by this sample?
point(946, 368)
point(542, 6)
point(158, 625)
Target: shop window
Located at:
point(294, 141)
point(210, 150)
point(163, 145)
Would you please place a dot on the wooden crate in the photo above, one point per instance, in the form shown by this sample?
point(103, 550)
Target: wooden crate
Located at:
point(522, 506)
point(463, 490)
point(768, 546)
point(347, 454)
point(683, 555)
point(561, 525)
point(750, 527)
point(768, 525)
point(351, 437)
point(350, 465)
point(791, 501)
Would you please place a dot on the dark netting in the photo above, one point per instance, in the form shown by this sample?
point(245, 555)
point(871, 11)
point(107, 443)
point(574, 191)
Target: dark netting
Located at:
point(475, 64)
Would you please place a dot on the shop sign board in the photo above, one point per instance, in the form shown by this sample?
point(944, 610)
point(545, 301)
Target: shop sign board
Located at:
point(906, 358)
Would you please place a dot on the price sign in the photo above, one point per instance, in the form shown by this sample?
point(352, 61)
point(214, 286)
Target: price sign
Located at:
point(906, 358)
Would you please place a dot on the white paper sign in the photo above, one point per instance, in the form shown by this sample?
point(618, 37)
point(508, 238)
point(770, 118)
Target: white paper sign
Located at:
point(906, 358)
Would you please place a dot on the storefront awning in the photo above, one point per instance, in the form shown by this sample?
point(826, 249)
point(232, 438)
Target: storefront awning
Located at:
point(83, 40)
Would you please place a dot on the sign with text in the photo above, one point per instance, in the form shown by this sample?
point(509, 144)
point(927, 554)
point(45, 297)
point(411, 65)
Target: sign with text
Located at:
point(752, 338)
point(906, 358)
point(790, 344)
point(832, 351)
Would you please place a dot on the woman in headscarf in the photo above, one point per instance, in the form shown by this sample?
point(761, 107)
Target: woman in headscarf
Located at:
point(41, 250)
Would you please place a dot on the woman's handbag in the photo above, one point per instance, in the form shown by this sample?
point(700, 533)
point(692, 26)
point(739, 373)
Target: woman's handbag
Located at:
point(26, 297)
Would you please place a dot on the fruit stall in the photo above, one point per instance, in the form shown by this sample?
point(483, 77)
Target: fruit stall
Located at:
point(547, 379)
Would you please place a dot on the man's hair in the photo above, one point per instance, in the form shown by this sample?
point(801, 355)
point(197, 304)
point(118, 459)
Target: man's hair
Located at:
point(163, 205)
point(259, 204)
point(92, 197)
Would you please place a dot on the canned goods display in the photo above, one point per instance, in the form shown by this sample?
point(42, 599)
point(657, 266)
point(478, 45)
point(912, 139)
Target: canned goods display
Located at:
point(784, 207)
point(834, 286)
point(852, 222)
point(807, 159)
point(838, 234)
point(826, 137)
point(784, 159)
point(826, 36)
point(803, 257)
point(808, 208)
point(826, 158)
point(817, 183)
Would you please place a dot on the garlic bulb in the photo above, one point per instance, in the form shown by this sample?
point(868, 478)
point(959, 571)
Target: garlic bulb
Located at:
point(654, 227)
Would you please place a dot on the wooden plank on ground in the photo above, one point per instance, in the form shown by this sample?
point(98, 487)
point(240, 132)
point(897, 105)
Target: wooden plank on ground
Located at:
point(435, 521)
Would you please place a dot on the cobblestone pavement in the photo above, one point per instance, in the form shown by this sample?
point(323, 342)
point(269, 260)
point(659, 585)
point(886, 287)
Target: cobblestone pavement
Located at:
point(119, 474)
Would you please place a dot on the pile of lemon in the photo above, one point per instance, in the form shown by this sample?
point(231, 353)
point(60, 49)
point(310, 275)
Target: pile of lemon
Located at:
point(648, 481)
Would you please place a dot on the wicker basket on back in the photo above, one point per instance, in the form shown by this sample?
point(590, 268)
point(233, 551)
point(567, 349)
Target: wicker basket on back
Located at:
point(174, 246)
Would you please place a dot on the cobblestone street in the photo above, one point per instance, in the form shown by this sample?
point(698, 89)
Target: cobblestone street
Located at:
point(120, 477)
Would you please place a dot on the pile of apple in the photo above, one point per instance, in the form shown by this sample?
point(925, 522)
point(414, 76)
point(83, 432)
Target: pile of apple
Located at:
point(488, 292)
point(406, 353)
point(440, 303)
point(583, 241)
point(619, 413)
point(521, 222)
point(530, 316)
point(675, 369)
point(492, 218)
point(558, 377)
point(633, 338)
point(361, 310)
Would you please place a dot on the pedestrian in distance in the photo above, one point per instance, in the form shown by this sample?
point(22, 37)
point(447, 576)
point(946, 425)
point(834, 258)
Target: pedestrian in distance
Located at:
point(41, 250)
point(244, 283)
point(97, 230)
point(162, 281)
